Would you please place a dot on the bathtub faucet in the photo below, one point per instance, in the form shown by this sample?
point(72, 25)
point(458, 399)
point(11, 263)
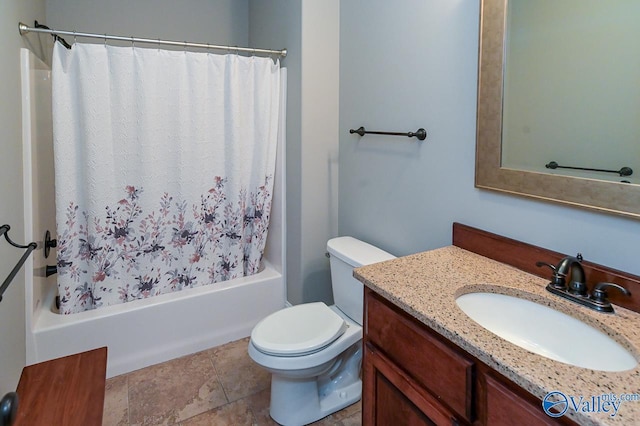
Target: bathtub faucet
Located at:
point(50, 270)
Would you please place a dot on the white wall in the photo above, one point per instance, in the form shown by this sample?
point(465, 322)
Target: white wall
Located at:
point(12, 307)
point(310, 31)
point(319, 152)
point(413, 63)
point(279, 23)
point(222, 22)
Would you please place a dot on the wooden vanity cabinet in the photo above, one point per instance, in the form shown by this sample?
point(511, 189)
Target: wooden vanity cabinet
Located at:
point(501, 402)
point(413, 376)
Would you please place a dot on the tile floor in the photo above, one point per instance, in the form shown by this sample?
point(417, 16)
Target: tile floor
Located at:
point(219, 386)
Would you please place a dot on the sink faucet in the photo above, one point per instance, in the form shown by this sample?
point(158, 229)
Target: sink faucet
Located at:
point(577, 285)
point(568, 266)
point(577, 290)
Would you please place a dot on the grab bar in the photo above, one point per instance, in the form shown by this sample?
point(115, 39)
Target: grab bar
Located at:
point(625, 171)
point(421, 133)
point(4, 230)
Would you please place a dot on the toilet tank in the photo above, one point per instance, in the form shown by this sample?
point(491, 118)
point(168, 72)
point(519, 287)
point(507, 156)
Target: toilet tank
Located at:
point(345, 254)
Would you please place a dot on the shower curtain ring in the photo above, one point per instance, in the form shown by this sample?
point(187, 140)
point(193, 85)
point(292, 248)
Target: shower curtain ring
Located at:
point(133, 42)
point(75, 39)
point(105, 39)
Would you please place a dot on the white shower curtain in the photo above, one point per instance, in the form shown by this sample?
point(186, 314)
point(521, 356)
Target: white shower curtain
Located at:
point(164, 169)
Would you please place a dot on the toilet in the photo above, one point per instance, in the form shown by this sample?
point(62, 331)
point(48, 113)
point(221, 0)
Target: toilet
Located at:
point(314, 351)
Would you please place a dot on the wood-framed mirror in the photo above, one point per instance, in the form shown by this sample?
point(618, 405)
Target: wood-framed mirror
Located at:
point(592, 192)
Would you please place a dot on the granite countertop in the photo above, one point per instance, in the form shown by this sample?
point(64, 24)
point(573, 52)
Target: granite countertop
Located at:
point(425, 285)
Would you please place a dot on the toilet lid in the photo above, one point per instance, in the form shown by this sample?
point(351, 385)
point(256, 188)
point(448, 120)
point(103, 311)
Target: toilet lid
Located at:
point(298, 330)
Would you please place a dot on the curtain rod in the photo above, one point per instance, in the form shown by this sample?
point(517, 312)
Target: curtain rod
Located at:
point(24, 29)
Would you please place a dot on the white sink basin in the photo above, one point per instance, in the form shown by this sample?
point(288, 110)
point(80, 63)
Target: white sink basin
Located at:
point(546, 332)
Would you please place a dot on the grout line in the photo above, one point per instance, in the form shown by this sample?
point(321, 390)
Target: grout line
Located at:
point(213, 364)
point(128, 405)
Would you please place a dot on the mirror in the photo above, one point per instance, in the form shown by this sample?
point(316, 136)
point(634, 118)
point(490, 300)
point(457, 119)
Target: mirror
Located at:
point(503, 130)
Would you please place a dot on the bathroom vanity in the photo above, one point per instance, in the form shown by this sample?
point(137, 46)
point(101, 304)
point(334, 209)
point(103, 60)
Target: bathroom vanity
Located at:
point(427, 362)
point(407, 365)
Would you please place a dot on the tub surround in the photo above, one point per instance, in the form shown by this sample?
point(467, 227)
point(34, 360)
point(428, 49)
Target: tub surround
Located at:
point(426, 285)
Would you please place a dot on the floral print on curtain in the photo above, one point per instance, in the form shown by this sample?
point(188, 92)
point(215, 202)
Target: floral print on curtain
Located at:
point(142, 253)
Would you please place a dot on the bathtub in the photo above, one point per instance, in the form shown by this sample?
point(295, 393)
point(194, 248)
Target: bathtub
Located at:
point(148, 331)
point(142, 332)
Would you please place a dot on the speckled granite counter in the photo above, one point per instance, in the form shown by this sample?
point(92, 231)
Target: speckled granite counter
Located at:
point(425, 285)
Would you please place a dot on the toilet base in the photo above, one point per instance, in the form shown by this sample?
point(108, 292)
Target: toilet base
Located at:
point(302, 404)
point(296, 401)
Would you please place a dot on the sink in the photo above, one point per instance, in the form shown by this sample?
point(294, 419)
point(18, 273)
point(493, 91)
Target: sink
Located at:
point(545, 331)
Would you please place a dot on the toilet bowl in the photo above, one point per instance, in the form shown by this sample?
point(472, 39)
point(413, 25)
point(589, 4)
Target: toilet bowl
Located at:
point(314, 351)
point(312, 385)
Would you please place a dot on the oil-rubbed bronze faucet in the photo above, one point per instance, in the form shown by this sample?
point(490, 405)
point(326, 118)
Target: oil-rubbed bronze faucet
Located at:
point(577, 285)
point(568, 266)
point(576, 291)
point(599, 295)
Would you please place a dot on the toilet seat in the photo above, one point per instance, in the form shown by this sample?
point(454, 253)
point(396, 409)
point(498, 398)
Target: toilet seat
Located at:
point(298, 330)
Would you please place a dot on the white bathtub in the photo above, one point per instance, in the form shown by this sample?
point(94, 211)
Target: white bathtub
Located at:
point(142, 332)
point(149, 331)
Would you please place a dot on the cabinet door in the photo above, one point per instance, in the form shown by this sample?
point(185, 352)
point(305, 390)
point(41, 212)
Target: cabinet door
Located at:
point(504, 406)
point(390, 397)
point(445, 372)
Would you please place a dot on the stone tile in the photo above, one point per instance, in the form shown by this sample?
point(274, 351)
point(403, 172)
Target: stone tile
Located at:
point(353, 420)
point(116, 402)
point(240, 376)
point(346, 416)
point(235, 413)
point(189, 391)
point(173, 391)
point(259, 405)
point(348, 412)
point(325, 421)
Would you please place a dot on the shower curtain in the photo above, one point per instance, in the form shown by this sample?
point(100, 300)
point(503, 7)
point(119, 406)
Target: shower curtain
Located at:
point(164, 164)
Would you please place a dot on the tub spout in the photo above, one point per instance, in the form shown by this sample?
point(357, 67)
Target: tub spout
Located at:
point(50, 270)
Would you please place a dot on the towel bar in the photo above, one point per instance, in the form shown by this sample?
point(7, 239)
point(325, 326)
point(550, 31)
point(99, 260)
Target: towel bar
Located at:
point(625, 171)
point(421, 133)
point(4, 230)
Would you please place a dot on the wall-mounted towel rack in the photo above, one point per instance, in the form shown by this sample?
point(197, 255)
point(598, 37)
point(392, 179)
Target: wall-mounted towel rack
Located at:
point(4, 230)
point(625, 171)
point(421, 133)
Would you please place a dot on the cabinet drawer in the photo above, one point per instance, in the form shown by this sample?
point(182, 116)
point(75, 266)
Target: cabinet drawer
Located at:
point(505, 407)
point(446, 373)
